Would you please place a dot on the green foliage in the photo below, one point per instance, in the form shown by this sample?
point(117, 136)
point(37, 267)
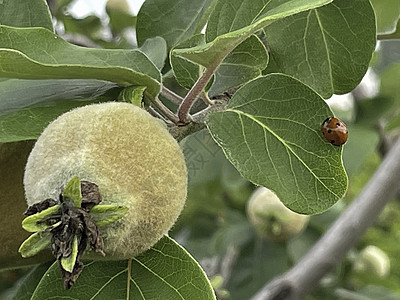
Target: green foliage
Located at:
point(156, 50)
point(35, 243)
point(35, 14)
point(244, 63)
point(132, 94)
point(256, 131)
point(387, 15)
point(328, 48)
point(63, 60)
point(270, 132)
point(218, 48)
point(105, 214)
point(72, 192)
point(68, 263)
point(166, 265)
point(30, 105)
point(31, 224)
point(362, 144)
point(186, 72)
point(173, 20)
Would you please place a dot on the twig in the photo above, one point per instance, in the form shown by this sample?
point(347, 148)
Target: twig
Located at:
point(391, 36)
point(167, 93)
point(341, 236)
point(228, 263)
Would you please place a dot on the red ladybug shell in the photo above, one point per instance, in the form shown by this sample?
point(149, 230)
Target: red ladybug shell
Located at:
point(334, 131)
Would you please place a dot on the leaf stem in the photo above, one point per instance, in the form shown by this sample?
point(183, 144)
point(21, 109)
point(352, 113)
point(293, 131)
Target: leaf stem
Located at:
point(206, 99)
point(197, 88)
point(170, 95)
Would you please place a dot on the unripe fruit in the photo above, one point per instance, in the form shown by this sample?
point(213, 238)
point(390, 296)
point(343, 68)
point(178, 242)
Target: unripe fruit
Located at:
point(130, 156)
point(117, 5)
point(372, 259)
point(271, 219)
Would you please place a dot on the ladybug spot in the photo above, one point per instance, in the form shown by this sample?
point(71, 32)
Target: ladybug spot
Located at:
point(329, 130)
point(332, 141)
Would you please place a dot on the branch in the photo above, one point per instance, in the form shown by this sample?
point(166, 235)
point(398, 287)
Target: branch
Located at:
point(198, 120)
point(391, 36)
point(341, 236)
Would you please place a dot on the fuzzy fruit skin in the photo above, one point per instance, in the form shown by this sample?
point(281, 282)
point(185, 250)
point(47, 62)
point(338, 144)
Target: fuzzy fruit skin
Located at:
point(372, 259)
point(131, 157)
point(271, 219)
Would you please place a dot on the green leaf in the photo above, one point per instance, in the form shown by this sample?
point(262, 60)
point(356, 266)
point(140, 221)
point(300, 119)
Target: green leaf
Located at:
point(362, 143)
point(258, 263)
point(105, 214)
point(387, 15)
point(13, 158)
point(369, 111)
point(30, 223)
point(16, 94)
point(244, 63)
point(72, 192)
point(35, 243)
point(389, 84)
point(166, 269)
point(68, 263)
point(328, 48)
point(36, 53)
point(132, 94)
point(156, 50)
point(369, 292)
point(271, 134)
point(186, 72)
point(28, 123)
point(215, 50)
point(22, 13)
point(174, 20)
point(27, 106)
point(27, 285)
point(231, 15)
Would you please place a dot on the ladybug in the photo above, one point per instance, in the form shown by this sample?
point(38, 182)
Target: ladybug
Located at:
point(334, 131)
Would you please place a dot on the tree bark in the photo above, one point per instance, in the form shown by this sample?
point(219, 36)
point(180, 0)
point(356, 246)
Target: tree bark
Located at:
point(341, 236)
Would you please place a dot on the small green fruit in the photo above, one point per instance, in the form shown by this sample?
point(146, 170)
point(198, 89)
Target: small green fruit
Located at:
point(130, 156)
point(271, 219)
point(373, 259)
point(117, 5)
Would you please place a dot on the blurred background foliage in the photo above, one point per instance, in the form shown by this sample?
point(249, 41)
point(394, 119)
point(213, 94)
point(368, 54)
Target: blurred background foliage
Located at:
point(214, 226)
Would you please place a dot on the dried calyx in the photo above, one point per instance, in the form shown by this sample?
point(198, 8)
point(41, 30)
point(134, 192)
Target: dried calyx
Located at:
point(69, 225)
